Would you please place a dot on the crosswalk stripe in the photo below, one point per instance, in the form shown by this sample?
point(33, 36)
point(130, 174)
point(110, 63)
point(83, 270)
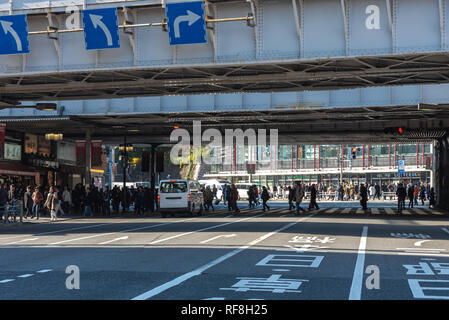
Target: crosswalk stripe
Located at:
point(345, 211)
point(332, 210)
point(375, 211)
point(420, 212)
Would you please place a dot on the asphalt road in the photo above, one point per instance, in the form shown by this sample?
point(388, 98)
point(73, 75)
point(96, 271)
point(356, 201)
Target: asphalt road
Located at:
point(220, 256)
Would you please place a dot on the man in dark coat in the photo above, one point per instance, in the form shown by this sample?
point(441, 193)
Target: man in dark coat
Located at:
point(265, 196)
point(401, 193)
point(363, 196)
point(313, 194)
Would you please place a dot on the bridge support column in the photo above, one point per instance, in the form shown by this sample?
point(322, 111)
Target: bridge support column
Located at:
point(441, 167)
point(88, 177)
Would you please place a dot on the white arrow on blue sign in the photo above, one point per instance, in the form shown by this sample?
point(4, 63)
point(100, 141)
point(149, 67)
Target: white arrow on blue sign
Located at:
point(401, 166)
point(14, 34)
point(186, 22)
point(101, 29)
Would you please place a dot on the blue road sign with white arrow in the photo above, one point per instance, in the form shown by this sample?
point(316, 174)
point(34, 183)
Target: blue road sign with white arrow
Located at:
point(101, 29)
point(401, 166)
point(186, 22)
point(14, 34)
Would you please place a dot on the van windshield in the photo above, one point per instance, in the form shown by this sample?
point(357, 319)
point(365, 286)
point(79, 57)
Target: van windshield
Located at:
point(173, 187)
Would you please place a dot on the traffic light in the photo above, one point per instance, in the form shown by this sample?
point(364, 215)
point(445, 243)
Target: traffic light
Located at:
point(395, 131)
point(354, 153)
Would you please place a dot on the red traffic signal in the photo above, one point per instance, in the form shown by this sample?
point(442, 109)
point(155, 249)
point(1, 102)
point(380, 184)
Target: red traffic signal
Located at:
point(400, 130)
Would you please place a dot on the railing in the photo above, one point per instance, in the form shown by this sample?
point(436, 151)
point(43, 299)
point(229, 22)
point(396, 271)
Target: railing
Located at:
point(320, 164)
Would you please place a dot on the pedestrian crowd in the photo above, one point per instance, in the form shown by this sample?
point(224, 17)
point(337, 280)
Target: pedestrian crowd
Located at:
point(34, 201)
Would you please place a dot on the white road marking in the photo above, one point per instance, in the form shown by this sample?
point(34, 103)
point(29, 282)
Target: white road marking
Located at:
point(419, 243)
point(121, 238)
point(25, 240)
point(25, 275)
point(62, 230)
point(45, 270)
point(357, 280)
point(200, 270)
point(217, 237)
point(118, 232)
point(7, 280)
point(445, 230)
point(204, 229)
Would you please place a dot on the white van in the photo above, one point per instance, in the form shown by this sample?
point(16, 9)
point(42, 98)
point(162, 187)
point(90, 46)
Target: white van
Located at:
point(220, 184)
point(179, 196)
point(242, 188)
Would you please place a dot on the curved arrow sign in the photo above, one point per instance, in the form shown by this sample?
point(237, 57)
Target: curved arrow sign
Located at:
point(14, 34)
point(191, 18)
point(97, 22)
point(186, 22)
point(7, 28)
point(101, 29)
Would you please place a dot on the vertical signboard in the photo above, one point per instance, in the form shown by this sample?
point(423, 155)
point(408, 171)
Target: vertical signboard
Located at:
point(81, 153)
point(96, 153)
point(2, 140)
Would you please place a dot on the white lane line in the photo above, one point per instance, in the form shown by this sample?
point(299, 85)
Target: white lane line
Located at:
point(6, 280)
point(44, 270)
point(118, 232)
point(200, 270)
point(62, 230)
point(25, 275)
point(357, 280)
point(204, 229)
point(445, 230)
point(117, 239)
point(25, 240)
point(217, 237)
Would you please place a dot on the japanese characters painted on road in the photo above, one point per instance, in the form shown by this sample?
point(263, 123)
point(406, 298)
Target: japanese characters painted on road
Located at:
point(101, 29)
point(273, 283)
point(291, 260)
point(186, 22)
point(432, 286)
point(14, 34)
point(410, 235)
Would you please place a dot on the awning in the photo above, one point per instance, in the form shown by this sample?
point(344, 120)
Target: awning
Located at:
point(16, 168)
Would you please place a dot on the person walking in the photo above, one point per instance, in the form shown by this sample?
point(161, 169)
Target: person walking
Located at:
point(208, 198)
point(415, 195)
point(139, 201)
point(422, 194)
point(299, 195)
point(15, 200)
point(229, 197)
point(3, 203)
point(107, 201)
point(250, 193)
point(401, 194)
point(265, 196)
point(88, 202)
point(235, 196)
point(432, 198)
point(66, 200)
point(54, 207)
point(411, 195)
point(363, 196)
point(313, 193)
point(37, 199)
point(28, 202)
point(290, 198)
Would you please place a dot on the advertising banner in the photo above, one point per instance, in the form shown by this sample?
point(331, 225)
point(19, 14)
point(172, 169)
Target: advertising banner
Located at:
point(81, 153)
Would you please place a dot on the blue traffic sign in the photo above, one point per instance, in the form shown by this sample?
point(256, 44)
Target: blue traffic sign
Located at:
point(14, 34)
point(186, 22)
point(401, 166)
point(101, 29)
